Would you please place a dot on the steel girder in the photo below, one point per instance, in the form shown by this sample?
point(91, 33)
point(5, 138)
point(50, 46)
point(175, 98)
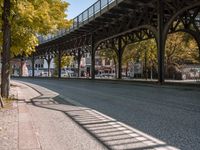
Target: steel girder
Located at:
point(171, 18)
point(129, 16)
point(132, 21)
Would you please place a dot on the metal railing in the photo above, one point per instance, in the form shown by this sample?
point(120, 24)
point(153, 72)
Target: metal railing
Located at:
point(82, 19)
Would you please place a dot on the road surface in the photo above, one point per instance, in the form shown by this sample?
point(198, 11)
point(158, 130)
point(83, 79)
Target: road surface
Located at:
point(170, 114)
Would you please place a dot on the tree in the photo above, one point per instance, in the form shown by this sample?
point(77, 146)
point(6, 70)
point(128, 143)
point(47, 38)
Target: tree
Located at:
point(66, 61)
point(6, 28)
point(144, 51)
point(111, 55)
point(180, 49)
point(28, 19)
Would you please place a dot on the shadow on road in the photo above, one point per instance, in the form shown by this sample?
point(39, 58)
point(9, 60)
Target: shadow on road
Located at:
point(108, 131)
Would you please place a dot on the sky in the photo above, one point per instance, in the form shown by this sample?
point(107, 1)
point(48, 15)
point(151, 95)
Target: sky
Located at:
point(78, 6)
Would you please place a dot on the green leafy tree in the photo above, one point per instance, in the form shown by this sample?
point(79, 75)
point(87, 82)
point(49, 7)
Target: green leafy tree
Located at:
point(26, 19)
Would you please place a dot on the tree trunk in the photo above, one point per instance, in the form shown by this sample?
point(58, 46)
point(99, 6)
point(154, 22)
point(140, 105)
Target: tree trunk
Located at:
point(1, 102)
point(127, 69)
point(48, 60)
point(5, 78)
point(78, 61)
point(21, 68)
point(145, 65)
point(115, 63)
point(48, 63)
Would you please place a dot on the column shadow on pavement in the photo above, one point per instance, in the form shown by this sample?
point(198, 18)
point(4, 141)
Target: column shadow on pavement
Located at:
point(108, 131)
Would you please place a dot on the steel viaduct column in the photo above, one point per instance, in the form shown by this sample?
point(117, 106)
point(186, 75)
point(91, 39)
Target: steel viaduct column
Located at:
point(48, 63)
point(79, 61)
point(92, 59)
point(33, 65)
point(120, 58)
point(48, 59)
point(59, 63)
point(161, 41)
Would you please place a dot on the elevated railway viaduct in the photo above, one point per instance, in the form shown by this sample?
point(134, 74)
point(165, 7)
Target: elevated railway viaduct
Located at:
point(114, 24)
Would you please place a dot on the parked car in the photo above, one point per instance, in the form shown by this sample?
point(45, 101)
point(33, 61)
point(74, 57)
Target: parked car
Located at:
point(105, 75)
point(191, 73)
point(44, 74)
point(67, 73)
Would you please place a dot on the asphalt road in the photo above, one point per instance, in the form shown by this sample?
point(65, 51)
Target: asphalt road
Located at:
point(170, 114)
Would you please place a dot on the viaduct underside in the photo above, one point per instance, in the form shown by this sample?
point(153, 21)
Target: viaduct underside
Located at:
point(114, 24)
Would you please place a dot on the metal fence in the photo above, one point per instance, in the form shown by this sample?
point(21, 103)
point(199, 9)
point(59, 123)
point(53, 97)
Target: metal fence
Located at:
point(86, 16)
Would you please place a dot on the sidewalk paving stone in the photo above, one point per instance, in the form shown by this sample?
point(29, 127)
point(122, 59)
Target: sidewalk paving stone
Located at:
point(43, 121)
point(9, 129)
point(46, 129)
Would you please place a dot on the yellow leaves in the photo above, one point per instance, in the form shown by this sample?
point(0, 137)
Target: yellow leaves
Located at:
point(66, 61)
point(138, 51)
point(23, 42)
point(108, 53)
point(181, 48)
point(34, 17)
point(25, 11)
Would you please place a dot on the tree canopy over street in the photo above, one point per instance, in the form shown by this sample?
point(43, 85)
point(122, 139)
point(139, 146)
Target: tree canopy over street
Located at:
point(29, 19)
point(22, 22)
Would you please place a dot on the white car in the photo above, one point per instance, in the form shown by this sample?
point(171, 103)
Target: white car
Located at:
point(64, 74)
point(67, 73)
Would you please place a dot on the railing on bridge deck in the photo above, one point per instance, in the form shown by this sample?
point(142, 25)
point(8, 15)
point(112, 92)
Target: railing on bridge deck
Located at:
point(86, 16)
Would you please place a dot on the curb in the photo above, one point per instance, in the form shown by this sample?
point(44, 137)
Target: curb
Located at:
point(168, 85)
point(61, 96)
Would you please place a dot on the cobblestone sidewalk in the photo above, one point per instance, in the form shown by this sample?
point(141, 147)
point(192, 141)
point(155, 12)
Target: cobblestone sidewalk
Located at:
point(29, 127)
point(16, 128)
point(9, 128)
